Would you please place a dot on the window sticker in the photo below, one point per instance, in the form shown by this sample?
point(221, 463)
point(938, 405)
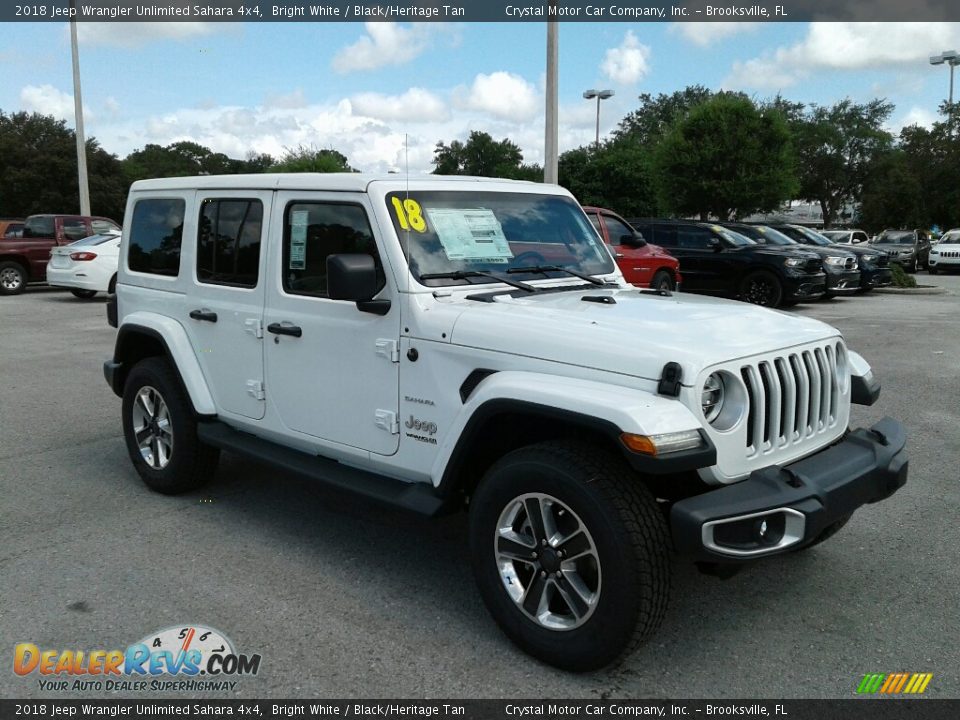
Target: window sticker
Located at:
point(470, 234)
point(298, 239)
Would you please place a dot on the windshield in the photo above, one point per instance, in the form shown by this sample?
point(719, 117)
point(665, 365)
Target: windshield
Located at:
point(765, 235)
point(95, 239)
point(897, 237)
point(836, 235)
point(950, 238)
point(734, 238)
point(450, 232)
point(813, 236)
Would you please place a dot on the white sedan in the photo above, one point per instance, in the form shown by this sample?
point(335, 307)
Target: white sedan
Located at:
point(87, 266)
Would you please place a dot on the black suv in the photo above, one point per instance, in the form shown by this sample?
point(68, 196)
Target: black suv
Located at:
point(909, 248)
point(718, 261)
point(840, 266)
point(874, 265)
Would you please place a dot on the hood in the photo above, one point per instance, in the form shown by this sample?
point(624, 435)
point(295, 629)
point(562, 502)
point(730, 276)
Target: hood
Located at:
point(824, 251)
point(860, 251)
point(892, 246)
point(778, 250)
point(634, 336)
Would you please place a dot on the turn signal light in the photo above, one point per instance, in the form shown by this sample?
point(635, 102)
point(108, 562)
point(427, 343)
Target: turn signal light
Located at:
point(662, 444)
point(82, 256)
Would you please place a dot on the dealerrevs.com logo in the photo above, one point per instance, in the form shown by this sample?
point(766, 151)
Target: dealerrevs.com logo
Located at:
point(181, 657)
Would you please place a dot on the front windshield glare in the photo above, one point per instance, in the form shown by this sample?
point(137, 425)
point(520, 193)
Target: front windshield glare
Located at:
point(450, 232)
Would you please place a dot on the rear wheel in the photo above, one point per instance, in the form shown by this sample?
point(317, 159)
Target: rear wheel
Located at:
point(662, 281)
point(570, 553)
point(83, 294)
point(160, 430)
point(13, 278)
point(762, 288)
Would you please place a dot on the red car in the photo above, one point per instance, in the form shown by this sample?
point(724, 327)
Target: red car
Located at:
point(641, 263)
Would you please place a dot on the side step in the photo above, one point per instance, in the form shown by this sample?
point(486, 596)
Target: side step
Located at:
point(417, 497)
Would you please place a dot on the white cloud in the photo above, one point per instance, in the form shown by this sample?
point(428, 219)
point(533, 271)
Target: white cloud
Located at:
point(628, 63)
point(502, 95)
point(388, 43)
point(845, 46)
point(48, 100)
point(916, 116)
point(295, 99)
point(704, 34)
point(137, 34)
point(415, 105)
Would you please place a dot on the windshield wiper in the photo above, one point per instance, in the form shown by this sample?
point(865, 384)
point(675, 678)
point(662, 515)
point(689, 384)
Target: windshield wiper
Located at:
point(557, 268)
point(466, 274)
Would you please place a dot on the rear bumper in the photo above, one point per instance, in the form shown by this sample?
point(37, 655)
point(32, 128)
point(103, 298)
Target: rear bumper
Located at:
point(778, 510)
point(73, 278)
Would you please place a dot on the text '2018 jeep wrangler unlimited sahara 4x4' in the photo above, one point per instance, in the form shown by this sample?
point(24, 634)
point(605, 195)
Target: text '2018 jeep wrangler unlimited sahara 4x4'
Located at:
point(441, 341)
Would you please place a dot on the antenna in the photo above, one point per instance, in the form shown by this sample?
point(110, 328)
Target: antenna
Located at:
point(406, 160)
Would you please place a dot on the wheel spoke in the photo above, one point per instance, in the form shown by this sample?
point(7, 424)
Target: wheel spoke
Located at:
point(534, 596)
point(573, 594)
point(513, 548)
point(574, 546)
point(144, 405)
point(155, 450)
point(142, 434)
point(535, 515)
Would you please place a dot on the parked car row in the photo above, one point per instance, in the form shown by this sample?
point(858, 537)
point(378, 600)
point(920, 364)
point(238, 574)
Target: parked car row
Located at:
point(26, 251)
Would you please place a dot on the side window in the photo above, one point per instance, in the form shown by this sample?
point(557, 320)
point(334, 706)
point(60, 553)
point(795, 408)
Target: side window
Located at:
point(312, 231)
point(666, 235)
point(39, 227)
point(595, 221)
point(694, 238)
point(14, 230)
point(155, 235)
point(103, 226)
point(228, 242)
point(616, 229)
point(75, 229)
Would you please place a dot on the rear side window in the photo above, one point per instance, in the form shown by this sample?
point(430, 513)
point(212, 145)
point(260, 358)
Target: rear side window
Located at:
point(312, 231)
point(14, 230)
point(75, 229)
point(228, 242)
point(155, 236)
point(666, 235)
point(693, 237)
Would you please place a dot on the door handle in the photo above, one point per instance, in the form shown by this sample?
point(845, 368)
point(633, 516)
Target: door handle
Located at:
point(278, 329)
point(203, 315)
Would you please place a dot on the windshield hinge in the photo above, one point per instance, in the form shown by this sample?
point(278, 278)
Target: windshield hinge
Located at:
point(254, 327)
point(255, 389)
point(387, 420)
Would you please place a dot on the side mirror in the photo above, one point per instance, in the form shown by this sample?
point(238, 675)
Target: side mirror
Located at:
point(633, 240)
point(714, 244)
point(354, 277)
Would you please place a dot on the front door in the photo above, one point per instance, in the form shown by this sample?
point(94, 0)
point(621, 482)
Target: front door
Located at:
point(332, 370)
point(633, 258)
point(224, 311)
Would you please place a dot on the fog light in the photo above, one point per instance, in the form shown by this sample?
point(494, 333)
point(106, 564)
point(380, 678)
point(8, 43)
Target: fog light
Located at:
point(756, 533)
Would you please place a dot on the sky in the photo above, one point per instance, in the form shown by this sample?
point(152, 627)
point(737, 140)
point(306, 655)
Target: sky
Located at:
point(384, 93)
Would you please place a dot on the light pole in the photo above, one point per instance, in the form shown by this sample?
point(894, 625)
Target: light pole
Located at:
point(551, 130)
point(599, 95)
point(951, 58)
point(78, 112)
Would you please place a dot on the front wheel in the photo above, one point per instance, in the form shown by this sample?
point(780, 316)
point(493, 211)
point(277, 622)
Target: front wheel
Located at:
point(662, 281)
point(931, 269)
point(13, 278)
point(762, 288)
point(83, 294)
point(570, 553)
point(160, 430)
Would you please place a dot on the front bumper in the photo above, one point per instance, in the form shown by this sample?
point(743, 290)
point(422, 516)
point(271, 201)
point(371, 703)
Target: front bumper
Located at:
point(844, 282)
point(944, 261)
point(804, 286)
point(880, 277)
point(777, 509)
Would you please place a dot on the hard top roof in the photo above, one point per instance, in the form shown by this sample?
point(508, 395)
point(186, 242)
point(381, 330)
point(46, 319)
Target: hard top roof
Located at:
point(342, 182)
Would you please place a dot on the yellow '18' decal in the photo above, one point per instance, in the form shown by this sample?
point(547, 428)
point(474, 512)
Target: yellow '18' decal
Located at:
point(410, 214)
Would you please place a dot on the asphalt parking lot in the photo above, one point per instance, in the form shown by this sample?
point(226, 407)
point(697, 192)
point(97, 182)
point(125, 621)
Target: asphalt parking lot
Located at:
point(345, 599)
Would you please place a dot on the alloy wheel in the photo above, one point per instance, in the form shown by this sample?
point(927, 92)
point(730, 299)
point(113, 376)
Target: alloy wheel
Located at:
point(152, 428)
point(10, 278)
point(547, 561)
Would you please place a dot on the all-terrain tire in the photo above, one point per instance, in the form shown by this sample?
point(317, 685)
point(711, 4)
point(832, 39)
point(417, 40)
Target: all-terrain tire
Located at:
point(160, 430)
point(627, 579)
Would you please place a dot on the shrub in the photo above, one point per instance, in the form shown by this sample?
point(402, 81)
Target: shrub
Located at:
point(901, 278)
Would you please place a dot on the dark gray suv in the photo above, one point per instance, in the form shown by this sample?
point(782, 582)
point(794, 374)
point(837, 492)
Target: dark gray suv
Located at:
point(908, 248)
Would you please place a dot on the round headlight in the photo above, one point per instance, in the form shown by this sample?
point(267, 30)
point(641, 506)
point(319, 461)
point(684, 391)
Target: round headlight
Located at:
point(711, 397)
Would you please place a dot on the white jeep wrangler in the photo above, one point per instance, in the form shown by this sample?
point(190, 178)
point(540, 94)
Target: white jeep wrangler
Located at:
point(438, 342)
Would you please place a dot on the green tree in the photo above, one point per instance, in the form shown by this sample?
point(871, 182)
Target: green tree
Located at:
point(310, 159)
point(38, 169)
point(657, 114)
point(185, 158)
point(836, 147)
point(483, 156)
point(893, 195)
point(617, 175)
point(725, 158)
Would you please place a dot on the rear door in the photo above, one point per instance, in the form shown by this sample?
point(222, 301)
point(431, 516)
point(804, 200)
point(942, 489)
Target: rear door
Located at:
point(224, 309)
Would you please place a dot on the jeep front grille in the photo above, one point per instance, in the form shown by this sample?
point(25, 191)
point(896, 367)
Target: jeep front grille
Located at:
point(950, 253)
point(790, 398)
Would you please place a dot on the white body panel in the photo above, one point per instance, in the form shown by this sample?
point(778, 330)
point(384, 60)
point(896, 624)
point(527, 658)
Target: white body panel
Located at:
point(94, 274)
point(945, 255)
point(332, 390)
